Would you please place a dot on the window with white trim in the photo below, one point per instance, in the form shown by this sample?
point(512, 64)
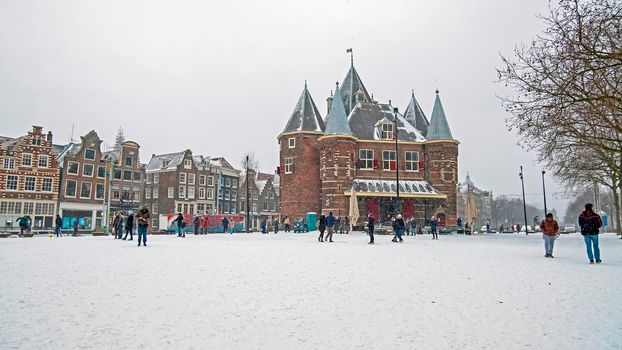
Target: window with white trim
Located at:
point(388, 160)
point(156, 178)
point(89, 154)
point(101, 172)
point(11, 182)
point(154, 208)
point(210, 180)
point(85, 190)
point(43, 161)
point(182, 191)
point(191, 178)
point(366, 158)
point(171, 192)
point(26, 159)
point(147, 193)
point(412, 161)
point(46, 184)
point(202, 179)
point(70, 188)
point(182, 178)
point(29, 184)
point(291, 142)
point(289, 165)
point(72, 168)
point(187, 164)
point(210, 193)
point(201, 192)
point(87, 170)
point(190, 192)
point(9, 163)
point(155, 193)
point(386, 130)
point(99, 191)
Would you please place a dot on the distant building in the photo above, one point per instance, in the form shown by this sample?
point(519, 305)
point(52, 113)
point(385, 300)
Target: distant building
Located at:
point(183, 183)
point(82, 189)
point(127, 178)
point(324, 161)
point(29, 179)
point(263, 199)
point(482, 198)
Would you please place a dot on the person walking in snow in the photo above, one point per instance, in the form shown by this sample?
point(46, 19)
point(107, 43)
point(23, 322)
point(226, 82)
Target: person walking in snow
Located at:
point(321, 226)
point(549, 233)
point(59, 225)
point(143, 224)
point(287, 223)
point(129, 226)
point(590, 224)
point(370, 228)
point(225, 224)
point(330, 227)
point(196, 225)
point(275, 224)
point(263, 224)
point(119, 226)
point(76, 226)
point(433, 226)
point(398, 227)
point(180, 225)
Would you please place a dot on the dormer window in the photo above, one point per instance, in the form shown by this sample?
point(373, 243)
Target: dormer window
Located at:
point(187, 163)
point(386, 130)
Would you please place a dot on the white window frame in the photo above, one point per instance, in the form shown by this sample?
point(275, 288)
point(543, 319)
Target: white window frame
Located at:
point(99, 167)
point(9, 163)
point(291, 142)
point(182, 192)
point(210, 180)
point(16, 182)
point(182, 178)
point(190, 193)
point(171, 192)
point(191, 178)
point(289, 165)
point(147, 193)
point(210, 193)
point(34, 187)
point(103, 192)
point(386, 131)
point(94, 154)
point(92, 169)
point(24, 158)
point(413, 164)
point(363, 157)
point(69, 167)
point(90, 185)
point(201, 192)
point(148, 179)
point(155, 193)
point(47, 161)
point(187, 163)
point(389, 160)
point(67, 187)
point(202, 180)
point(47, 180)
point(156, 178)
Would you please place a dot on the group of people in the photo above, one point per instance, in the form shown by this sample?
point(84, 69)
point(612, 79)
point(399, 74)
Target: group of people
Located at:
point(59, 227)
point(121, 223)
point(590, 224)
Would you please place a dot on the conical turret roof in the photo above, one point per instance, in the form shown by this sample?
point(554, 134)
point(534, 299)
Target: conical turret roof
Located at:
point(351, 84)
point(337, 120)
point(415, 116)
point(439, 128)
point(305, 116)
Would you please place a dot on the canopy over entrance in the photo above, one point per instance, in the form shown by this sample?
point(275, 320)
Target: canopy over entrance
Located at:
point(388, 188)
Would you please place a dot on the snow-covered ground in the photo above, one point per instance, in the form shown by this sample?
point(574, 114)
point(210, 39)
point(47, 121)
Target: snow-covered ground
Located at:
point(288, 291)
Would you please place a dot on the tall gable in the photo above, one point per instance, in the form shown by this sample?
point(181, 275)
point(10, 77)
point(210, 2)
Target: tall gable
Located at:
point(415, 116)
point(305, 116)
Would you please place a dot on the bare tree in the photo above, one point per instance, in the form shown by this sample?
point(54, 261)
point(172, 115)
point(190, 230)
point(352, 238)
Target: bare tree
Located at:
point(567, 104)
point(249, 161)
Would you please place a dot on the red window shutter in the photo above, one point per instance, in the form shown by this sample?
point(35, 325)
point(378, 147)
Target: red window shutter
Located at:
point(421, 165)
point(278, 170)
point(392, 165)
point(376, 164)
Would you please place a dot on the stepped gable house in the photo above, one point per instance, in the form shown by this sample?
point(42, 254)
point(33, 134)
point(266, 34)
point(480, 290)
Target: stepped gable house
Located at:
point(324, 161)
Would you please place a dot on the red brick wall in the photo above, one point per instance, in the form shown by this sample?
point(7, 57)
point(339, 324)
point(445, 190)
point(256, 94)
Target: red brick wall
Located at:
point(337, 166)
point(442, 171)
point(301, 190)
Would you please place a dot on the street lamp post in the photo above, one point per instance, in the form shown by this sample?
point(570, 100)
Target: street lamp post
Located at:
point(544, 193)
point(524, 204)
point(247, 201)
point(397, 163)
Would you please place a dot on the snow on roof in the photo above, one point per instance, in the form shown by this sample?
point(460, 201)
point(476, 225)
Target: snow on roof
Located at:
point(165, 162)
point(389, 186)
point(305, 116)
point(365, 118)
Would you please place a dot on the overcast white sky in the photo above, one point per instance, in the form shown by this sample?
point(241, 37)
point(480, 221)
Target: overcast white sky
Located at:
point(222, 77)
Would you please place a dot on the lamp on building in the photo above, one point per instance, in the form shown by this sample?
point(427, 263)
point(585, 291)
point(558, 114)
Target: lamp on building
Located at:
point(397, 163)
point(524, 204)
point(544, 192)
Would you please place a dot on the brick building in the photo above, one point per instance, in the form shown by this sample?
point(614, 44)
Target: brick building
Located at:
point(126, 187)
point(181, 182)
point(481, 198)
point(29, 179)
point(263, 197)
point(82, 189)
point(353, 152)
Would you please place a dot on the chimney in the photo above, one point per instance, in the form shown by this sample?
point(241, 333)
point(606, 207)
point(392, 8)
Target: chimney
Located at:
point(49, 137)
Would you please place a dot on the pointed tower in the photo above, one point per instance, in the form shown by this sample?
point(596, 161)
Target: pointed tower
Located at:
point(441, 157)
point(338, 151)
point(415, 116)
point(439, 128)
point(350, 87)
point(299, 168)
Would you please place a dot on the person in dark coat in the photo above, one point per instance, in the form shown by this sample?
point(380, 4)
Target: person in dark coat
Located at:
point(76, 226)
point(59, 225)
point(119, 226)
point(370, 228)
point(591, 223)
point(197, 220)
point(179, 220)
point(398, 227)
point(433, 225)
point(263, 224)
point(275, 224)
point(321, 227)
point(129, 226)
point(225, 224)
point(143, 224)
point(330, 227)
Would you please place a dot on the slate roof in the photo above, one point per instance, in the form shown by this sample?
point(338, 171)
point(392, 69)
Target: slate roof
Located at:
point(305, 116)
point(365, 117)
point(349, 87)
point(171, 160)
point(439, 128)
point(337, 120)
point(415, 116)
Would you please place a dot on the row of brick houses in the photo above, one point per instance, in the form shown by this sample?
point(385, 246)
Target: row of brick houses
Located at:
point(79, 181)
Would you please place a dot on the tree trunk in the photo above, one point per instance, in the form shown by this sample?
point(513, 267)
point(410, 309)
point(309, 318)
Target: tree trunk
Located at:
point(617, 198)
